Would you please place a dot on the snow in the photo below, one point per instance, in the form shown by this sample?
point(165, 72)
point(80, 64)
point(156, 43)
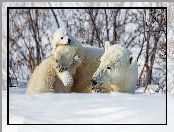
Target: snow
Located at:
point(113, 108)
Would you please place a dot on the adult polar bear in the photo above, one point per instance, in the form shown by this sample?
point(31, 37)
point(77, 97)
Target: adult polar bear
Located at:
point(118, 70)
point(90, 61)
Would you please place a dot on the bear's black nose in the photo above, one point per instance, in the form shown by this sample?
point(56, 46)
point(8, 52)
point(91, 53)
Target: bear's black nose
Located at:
point(69, 40)
point(93, 82)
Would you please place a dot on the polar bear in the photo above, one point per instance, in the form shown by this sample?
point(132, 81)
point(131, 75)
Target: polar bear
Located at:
point(69, 57)
point(90, 61)
point(50, 76)
point(47, 78)
point(71, 65)
point(89, 58)
point(60, 41)
point(61, 37)
point(118, 70)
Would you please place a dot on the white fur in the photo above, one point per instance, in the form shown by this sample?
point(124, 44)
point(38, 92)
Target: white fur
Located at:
point(47, 77)
point(90, 60)
point(118, 68)
point(66, 78)
point(61, 36)
point(107, 45)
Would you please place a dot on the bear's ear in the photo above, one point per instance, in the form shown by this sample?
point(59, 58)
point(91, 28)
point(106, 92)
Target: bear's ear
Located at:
point(107, 45)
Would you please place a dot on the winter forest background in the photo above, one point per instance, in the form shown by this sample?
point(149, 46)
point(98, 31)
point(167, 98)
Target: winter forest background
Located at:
point(143, 31)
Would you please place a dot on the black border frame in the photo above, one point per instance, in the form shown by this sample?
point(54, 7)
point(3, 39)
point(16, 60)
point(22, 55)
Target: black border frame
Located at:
point(8, 8)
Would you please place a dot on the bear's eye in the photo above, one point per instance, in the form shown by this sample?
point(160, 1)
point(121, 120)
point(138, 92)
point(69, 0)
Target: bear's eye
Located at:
point(108, 67)
point(61, 37)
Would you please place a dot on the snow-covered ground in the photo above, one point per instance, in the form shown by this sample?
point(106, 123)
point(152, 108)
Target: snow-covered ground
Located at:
point(113, 108)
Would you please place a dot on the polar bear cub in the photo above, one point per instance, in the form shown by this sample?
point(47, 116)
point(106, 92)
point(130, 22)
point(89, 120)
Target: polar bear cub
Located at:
point(64, 56)
point(50, 76)
point(62, 37)
point(118, 70)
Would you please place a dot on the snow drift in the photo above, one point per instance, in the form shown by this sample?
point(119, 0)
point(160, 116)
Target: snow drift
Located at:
point(114, 108)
